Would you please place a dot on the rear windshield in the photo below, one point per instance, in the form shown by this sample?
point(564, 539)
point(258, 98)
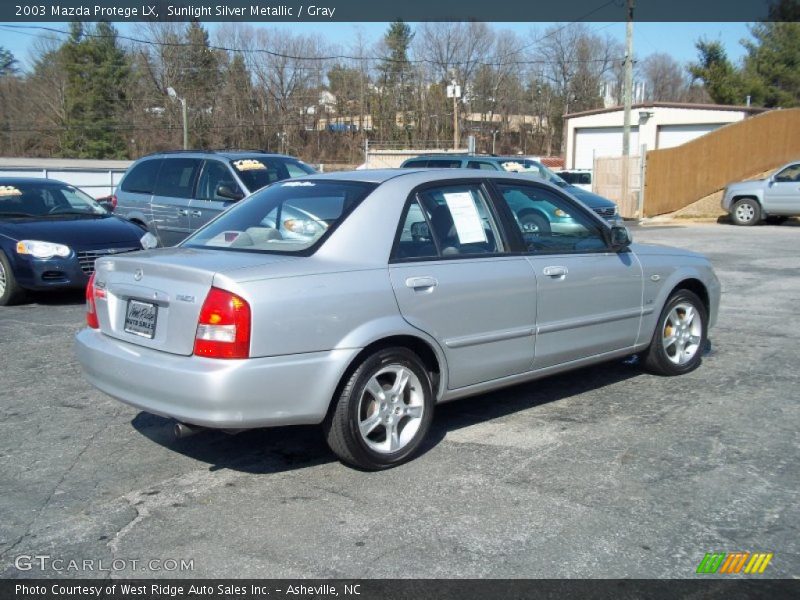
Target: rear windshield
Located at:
point(293, 217)
point(531, 167)
point(259, 171)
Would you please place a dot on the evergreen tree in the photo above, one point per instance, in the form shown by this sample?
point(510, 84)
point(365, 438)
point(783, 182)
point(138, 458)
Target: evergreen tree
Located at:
point(395, 78)
point(199, 82)
point(96, 79)
point(722, 80)
point(773, 63)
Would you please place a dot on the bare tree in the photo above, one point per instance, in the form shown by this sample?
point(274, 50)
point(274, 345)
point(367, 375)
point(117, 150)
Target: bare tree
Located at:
point(664, 78)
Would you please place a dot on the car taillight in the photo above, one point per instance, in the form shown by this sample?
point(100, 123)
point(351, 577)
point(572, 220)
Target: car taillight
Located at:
point(223, 329)
point(113, 202)
point(91, 307)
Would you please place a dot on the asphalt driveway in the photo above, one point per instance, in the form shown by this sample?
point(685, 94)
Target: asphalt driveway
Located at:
point(603, 472)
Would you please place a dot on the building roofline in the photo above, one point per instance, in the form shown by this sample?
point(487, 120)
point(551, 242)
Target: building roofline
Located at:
point(753, 110)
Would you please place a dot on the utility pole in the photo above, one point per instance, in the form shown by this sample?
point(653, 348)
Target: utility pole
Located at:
point(185, 124)
point(627, 100)
point(454, 92)
point(628, 87)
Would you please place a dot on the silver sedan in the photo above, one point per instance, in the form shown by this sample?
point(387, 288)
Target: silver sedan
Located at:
point(413, 288)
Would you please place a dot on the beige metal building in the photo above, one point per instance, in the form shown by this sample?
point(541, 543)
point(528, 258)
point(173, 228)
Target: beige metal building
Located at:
point(598, 133)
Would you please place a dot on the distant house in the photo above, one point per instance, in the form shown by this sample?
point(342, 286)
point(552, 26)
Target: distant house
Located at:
point(597, 133)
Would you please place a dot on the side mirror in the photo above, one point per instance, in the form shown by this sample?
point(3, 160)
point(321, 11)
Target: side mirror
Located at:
point(227, 192)
point(620, 237)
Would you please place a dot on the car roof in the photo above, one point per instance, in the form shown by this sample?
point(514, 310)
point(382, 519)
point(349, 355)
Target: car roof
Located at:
point(41, 181)
point(486, 157)
point(421, 175)
point(229, 154)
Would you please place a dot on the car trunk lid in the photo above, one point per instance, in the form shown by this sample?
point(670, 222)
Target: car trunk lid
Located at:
point(153, 299)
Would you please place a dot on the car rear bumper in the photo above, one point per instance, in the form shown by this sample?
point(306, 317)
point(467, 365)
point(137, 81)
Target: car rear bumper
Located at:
point(229, 394)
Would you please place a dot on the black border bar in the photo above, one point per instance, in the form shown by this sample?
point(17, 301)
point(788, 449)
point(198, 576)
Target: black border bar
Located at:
point(712, 588)
point(286, 11)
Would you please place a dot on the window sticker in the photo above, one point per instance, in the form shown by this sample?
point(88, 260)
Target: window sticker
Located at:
point(469, 226)
point(9, 190)
point(297, 184)
point(517, 167)
point(249, 164)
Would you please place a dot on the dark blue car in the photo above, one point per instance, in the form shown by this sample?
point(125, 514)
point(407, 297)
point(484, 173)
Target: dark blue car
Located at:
point(51, 233)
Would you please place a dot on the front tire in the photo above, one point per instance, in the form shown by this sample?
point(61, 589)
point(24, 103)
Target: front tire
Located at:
point(10, 291)
point(746, 211)
point(680, 336)
point(383, 412)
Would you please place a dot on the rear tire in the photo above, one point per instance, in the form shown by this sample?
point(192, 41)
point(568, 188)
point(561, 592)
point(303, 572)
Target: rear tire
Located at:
point(383, 412)
point(746, 211)
point(680, 337)
point(10, 291)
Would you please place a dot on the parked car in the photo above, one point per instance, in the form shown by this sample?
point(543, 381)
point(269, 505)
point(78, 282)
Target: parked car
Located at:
point(774, 198)
point(580, 178)
point(517, 164)
point(174, 193)
point(423, 288)
point(51, 233)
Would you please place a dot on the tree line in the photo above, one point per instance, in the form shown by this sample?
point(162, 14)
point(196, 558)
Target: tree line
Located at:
point(96, 94)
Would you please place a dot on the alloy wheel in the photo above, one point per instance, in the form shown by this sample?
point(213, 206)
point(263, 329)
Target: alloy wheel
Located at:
point(681, 333)
point(390, 409)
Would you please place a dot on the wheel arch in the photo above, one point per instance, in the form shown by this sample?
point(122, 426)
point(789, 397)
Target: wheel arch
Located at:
point(750, 195)
point(433, 360)
point(698, 288)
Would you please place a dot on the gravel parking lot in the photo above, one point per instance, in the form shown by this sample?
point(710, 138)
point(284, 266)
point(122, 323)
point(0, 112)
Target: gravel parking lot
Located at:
point(604, 472)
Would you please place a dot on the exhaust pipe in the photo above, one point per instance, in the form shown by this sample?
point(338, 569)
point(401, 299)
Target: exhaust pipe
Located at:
point(182, 430)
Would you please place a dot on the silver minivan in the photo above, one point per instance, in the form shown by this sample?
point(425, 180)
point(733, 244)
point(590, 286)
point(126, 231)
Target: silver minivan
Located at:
point(175, 193)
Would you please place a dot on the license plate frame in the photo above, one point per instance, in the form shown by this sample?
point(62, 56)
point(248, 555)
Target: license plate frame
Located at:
point(141, 318)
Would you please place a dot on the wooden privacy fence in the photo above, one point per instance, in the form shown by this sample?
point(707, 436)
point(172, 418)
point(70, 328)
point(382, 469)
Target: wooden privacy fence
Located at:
point(607, 178)
point(679, 176)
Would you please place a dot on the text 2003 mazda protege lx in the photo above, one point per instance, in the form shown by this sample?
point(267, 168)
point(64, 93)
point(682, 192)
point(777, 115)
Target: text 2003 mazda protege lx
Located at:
point(397, 289)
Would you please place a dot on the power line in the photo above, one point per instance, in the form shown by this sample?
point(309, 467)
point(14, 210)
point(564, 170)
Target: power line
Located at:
point(335, 57)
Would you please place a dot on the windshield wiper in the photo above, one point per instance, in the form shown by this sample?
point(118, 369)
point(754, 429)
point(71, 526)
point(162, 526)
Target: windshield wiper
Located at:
point(15, 214)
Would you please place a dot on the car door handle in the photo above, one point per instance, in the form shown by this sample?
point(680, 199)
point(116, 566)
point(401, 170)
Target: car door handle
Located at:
point(183, 212)
point(555, 271)
point(197, 213)
point(421, 284)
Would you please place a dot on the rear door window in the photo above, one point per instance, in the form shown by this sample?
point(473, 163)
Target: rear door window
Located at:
point(444, 163)
point(177, 177)
point(448, 221)
point(479, 164)
point(297, 169)
point(141, 179)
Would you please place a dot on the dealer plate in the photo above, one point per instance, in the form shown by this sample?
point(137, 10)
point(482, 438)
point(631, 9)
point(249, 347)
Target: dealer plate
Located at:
point(140, 318)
